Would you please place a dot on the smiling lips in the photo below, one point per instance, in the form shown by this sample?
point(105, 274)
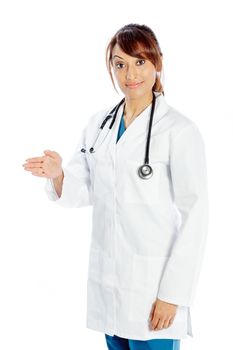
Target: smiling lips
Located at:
point(134, 86)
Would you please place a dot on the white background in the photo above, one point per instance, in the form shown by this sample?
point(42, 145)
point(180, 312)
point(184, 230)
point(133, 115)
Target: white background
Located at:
point(53, 78)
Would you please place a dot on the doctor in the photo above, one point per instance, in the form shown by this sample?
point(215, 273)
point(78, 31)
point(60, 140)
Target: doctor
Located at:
point(149, 223)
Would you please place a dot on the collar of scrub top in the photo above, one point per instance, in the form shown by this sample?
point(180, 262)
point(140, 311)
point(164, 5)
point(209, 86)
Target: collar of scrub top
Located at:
point(161, 109)
point(121, 128)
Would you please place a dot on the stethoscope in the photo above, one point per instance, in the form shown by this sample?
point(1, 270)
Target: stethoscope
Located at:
point(145, 171)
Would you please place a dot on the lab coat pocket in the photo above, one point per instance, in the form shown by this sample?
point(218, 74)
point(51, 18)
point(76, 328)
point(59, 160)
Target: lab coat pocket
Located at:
point(147, 272)
point(100, 268)
point(138, 190)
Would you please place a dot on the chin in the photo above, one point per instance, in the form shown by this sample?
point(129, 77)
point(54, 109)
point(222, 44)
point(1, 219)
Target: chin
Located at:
point(135, 93)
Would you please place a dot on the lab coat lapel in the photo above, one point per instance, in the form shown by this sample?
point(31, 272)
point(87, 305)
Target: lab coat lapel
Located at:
point(140, 124)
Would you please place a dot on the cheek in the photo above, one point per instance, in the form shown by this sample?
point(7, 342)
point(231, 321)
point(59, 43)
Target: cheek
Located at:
point(149, 76)
point(120, 78)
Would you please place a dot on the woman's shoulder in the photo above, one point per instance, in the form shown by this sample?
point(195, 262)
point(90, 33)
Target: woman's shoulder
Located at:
point(180, 122)
point(175, 120)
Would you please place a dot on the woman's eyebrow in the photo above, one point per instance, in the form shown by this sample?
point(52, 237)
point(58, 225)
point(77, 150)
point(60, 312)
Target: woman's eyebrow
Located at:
point(121, 57)
point(118, 56)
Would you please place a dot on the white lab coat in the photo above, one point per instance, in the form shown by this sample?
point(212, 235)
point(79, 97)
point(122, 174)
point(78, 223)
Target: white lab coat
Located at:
point(148, 236)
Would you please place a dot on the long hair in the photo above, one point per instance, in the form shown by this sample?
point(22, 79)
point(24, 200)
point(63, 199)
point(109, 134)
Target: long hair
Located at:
point(138, 41)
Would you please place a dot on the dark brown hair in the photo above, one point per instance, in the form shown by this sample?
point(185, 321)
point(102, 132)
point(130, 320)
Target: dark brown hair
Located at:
point(138, 41)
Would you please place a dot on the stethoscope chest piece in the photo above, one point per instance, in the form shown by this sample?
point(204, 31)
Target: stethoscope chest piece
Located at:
point(145, 171)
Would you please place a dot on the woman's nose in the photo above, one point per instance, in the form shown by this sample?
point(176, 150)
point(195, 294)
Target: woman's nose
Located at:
point(131, 73)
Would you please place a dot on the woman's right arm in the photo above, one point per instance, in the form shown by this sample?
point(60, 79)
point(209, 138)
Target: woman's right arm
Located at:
point(75, 187)
point(72, 188)
point(49, 166)
point(69, 186)
point(57, 183)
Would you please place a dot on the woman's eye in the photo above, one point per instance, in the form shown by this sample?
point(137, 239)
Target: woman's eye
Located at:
point(119, 64)
point(141, 61)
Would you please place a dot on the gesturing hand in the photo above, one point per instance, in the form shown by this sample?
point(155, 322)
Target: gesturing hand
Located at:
point(162, 315)
point(49, 165)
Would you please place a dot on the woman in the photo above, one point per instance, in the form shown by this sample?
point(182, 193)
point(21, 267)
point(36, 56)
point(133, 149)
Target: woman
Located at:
point(149, 223)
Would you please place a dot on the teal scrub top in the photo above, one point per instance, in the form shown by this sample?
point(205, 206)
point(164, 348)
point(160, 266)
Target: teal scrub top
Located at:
point(121, 128)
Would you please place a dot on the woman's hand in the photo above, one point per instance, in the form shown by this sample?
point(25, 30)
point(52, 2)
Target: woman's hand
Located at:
point(162, 315)
point(49, 166)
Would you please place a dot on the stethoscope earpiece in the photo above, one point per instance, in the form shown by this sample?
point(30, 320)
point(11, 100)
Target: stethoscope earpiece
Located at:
point(145, 171)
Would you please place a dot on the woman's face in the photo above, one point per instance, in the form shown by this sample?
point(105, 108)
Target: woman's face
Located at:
point(135, 76)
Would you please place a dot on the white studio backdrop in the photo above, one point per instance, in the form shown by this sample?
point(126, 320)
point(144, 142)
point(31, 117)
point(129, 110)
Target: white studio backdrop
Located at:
point(52, 79)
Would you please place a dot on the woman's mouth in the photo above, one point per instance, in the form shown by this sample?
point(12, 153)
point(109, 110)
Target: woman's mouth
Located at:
point(134, 86)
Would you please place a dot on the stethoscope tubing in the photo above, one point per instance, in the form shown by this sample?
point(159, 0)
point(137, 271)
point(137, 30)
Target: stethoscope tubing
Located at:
point(144, 171)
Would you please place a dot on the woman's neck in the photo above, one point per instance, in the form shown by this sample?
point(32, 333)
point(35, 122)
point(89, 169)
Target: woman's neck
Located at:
point(134, 107)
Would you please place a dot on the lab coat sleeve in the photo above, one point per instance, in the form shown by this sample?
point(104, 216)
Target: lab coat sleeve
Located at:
point(76, 188)
point(189, 182)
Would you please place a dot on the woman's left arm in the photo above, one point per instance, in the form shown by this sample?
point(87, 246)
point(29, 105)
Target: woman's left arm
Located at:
point(189, 183)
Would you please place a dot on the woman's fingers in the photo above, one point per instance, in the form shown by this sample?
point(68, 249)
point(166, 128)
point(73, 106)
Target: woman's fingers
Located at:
point(160, 317)
point(39, 172)
point(52, 154)
point(48, 165)
point(155, 322)
point(36, 159)
point(168, 322)
point(32, 165)
point(160, 325)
